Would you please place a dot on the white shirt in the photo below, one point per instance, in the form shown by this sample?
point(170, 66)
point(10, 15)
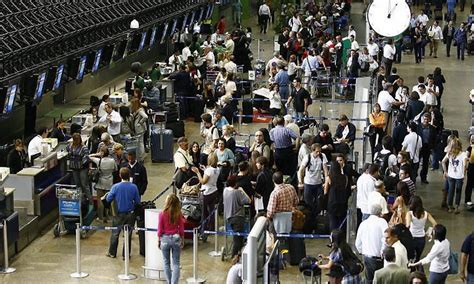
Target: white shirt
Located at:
point(314, 172)
point(295, 24)
point(185, 53)
point(438, 256)
point(428, 98)
point(234, 276)
point(303, 152)
point(411, 146)
point(423, 19)
point(385, 101)
point(370, 239)
point(376, 197)
point(436, 31)
point(210, 137)
point(113, 126)
point(271, 61)
point(352, 33)
point(354, 45)
point(291, 68)
point(101, 111)
point(388, 51)
point(417, 226)
point(182, 159)
point(365, 185)
point(275, 100)
point(35, 146)
point(230, 88)
point(229, 44)
point(309, 64)
point(230, 67)
point(211, 185)
point(401, 97)
point(457, 165)
point(211, 59)
point(373, 49)
point(264, 10)
point(174, 62)
point(401, 255)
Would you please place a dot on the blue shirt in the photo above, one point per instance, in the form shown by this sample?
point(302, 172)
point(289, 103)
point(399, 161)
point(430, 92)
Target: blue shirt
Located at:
point(282, 137)
point(126, 196)
point(281, 78)
point(221, 122)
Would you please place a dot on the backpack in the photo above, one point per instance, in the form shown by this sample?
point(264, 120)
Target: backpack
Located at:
point(382, 162)
point(308, 266)
point(219, 131)
point(353, 265)
point(406, 239)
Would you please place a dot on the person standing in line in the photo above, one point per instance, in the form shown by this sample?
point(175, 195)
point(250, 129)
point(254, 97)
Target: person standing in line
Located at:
point(467, 259)
point(460, 36)
point(470, 173)
point(139, 126)
point(388, 55)
point(171, 237)
point(264, 14)
point(392, 272)
point(365, 185)
point(412, 144)
point(78, 163)
point(438, 256)
point(138, 174)
point(427, 132)
point(285, 157)
point(125, 194)
point(458, 162)
point(401, 255)
point(113, 121)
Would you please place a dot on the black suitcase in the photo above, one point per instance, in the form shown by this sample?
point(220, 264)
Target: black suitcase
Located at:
point(161, 141)
point(247, 111)
point(297, 250)
point(177, 127)
point(322, 224)
point(198, 109)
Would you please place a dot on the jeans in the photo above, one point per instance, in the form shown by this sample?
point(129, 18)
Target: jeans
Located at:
point(419, 245)
point(425, 152)
point(469, 183)
point(121, 219)
point(284, 92)
point(470, 278)
point(460, 49)
point(209, 204)
point(311, 193)
point(171, 244)
point(81, 179)
point(418, 51)
point(455, 187)
point(438, 278)
point(237, 224)
point(371, 265)
point(437, 157)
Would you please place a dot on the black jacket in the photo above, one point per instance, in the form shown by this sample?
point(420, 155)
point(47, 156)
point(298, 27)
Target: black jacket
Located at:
point(399, 133)
point(139, 175)
point(16, 161)
point(60, 135)
point(414, 108)
point(351, 135)
point(432, 135)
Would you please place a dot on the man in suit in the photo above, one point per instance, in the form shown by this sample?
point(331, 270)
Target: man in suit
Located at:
point(448, 35)
point(138, 173)
point(427, 132)
point(391, 273)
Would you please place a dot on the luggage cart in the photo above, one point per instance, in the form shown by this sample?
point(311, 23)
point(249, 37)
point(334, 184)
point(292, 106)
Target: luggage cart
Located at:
point(226, 250)
point(71, 210)
point(191, 208)
point(323, 83)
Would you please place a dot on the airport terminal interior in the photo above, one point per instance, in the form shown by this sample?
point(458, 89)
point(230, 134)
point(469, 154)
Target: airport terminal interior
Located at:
point(40, 256)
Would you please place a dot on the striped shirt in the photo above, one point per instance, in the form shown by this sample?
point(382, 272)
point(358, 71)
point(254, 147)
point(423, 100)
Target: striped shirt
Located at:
point(282, 137)
point(78, 157)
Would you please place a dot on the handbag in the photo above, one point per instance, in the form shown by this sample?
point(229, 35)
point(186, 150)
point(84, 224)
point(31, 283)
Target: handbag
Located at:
point(189, 188)
point(95, 173)
point(453, 262)
point(314, 73)
point(298, 220)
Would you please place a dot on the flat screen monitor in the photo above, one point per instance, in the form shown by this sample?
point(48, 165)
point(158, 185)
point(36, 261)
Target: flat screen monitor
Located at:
point(98, 55)
point(165, 31)
point(59, 77)
point(10, 98)
point(173, 27)
point(40, 86)
point(82, 67)
point(152, 36)
point(184, 24)
point(142, 41)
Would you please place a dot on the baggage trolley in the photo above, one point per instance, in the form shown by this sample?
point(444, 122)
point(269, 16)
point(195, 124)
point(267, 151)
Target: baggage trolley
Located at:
point(130, 143)
point(71, 210)
point(226, 250)
point(191, 208)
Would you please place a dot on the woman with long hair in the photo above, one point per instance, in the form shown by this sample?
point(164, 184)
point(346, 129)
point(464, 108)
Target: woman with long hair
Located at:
point(439, 81)
point(171, 237)
point(139, 126)
point(195, 152)
point(78, 163)
point(400, 206)
point(225, 159)
point(416, 221)
point(335, 188)
point(340, 254)
point(457, 166)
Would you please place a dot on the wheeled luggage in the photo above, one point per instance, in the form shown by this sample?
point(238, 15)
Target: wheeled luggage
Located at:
point(177, 127)
point(247, 111)
point(297, 250)
point(161, 142)
point(322, 223)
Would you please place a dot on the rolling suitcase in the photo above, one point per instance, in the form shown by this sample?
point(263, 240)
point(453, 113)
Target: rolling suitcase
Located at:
point(161, 141)
point(297, 250)
point(177, 127)
point(247, 111)
point(322, 223)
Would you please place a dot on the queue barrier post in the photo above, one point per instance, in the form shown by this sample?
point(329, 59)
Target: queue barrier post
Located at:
point(216, 252)
point(6, 269)
point(79, 273)
point(195, 279)
point(127, 275)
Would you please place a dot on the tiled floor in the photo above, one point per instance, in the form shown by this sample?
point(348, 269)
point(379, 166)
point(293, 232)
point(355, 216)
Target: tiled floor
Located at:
point(50, 260)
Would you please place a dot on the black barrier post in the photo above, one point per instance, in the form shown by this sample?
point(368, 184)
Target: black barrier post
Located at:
point(78, 273)
point(127, 275)
point(6, 269)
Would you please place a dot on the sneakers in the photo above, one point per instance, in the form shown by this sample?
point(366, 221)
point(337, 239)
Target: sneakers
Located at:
point(109, 255)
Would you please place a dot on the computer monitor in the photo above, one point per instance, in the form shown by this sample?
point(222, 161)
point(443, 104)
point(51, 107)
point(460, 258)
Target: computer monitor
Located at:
point(152, 36)
point(142, 41)
point(82, 67)
point(10, 98)
point(59, 77)
point(39, 91)
point(165, 31)
point(97, 57)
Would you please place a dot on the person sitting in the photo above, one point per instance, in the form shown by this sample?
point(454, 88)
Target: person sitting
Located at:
point(344, 136)
point(16, 159)
point(59, 131)
point(325, 140)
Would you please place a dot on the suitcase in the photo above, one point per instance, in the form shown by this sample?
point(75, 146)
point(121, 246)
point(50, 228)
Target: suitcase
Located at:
point(438, 15)
point(198, 109)
point(322, 224)
point(247, 110)
point(161, 141)
point(177, 127)
point(297, 250)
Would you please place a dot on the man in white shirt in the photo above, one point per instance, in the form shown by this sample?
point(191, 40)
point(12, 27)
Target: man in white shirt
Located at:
point(113, 120)
point(310, 177)
point(370, 241)
point(393, 240)
point(351, 32)
point(354, 43)
point(412, 144)
point(264, 14)
point(185, 53)
point(427, 97)
point(376, 197)
point(432, 89)
point(386, 101)
point(277, 60)
point(175, 60)
point(373, 49)
point(388, 54)
point(365, 185)
point(436, 35)
point(210, 57)
point(182, 162)
point(295, 23)
point(35, 147)
point(391, 272)
point(310, 63)
point(305, 149)
point(230, 66)
point(229, 43)
point(422, 18)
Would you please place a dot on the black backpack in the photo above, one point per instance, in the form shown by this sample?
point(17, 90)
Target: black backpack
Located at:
point(308, 265)
point(382, 162)
point(406, 239)
point(353, 265)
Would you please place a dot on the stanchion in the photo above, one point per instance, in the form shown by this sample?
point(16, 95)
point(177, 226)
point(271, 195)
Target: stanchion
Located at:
point(78, 273)
point(6, 269)
point(216, 252)
point(127, 275)
point(195, 279)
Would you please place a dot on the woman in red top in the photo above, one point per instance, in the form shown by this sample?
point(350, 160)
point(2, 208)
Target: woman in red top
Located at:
point(171, 236)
